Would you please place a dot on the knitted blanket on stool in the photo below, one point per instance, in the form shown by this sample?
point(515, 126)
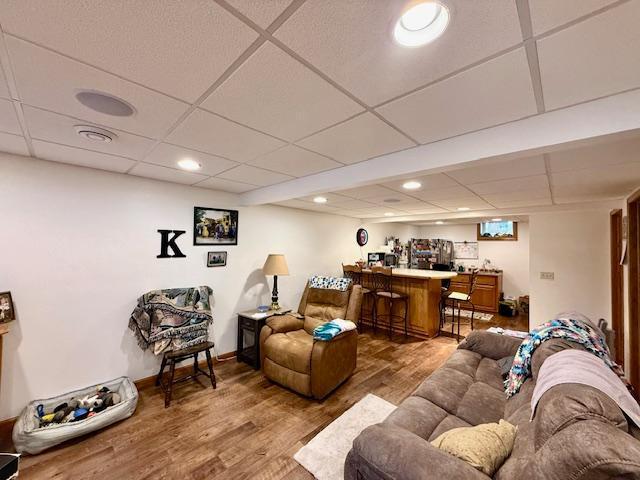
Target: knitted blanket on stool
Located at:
point(172, 319)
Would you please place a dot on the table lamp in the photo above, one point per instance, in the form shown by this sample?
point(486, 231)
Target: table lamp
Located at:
point(275, 265)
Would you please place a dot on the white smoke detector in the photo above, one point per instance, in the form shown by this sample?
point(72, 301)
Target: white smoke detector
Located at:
point(95, 134)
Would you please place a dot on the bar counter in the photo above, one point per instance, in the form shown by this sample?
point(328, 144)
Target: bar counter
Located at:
point(423, 290)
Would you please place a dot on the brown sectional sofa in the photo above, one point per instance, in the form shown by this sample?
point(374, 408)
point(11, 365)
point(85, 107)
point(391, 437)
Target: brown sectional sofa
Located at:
point(577, 433)
point(290, 356)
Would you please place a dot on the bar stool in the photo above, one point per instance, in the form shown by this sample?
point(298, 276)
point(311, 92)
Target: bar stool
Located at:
point(383, 285)
point(458, 298)
point(354, 272)
point(444, 292)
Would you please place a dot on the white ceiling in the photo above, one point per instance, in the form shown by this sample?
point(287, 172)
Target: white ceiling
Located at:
point(264, 92)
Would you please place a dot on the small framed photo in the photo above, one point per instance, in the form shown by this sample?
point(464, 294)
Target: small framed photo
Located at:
point(6, 307)
point(216, 259)
point(214, 226)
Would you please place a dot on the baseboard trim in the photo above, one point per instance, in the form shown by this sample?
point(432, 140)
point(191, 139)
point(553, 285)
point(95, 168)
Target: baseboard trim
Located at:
point(6, 426)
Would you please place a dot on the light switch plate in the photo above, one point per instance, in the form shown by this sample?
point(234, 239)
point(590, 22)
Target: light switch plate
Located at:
point(546, 275)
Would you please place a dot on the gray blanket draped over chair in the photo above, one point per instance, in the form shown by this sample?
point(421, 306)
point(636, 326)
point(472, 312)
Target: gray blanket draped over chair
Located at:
point(172, 319)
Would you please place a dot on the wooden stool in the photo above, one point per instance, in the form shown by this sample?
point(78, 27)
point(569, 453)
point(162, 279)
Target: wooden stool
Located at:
point(177, 356)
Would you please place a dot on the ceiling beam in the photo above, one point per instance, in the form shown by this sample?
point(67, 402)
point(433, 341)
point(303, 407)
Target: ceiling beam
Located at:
point(533, 135)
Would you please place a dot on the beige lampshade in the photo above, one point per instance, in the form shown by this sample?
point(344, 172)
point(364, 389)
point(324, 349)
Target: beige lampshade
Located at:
point(275, 265)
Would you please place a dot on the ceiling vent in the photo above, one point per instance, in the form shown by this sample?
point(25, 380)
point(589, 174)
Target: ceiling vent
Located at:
point(104, 103)
point(95, 134)
point(391, 200)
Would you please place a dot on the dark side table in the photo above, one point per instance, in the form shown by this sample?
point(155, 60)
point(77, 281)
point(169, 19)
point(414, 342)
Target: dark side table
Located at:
point(249, 335)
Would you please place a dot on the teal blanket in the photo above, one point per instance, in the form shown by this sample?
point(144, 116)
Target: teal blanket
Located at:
point(326, 331)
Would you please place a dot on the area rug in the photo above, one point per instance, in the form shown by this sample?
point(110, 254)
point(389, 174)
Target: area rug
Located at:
point(325, 454)
point(485, 317)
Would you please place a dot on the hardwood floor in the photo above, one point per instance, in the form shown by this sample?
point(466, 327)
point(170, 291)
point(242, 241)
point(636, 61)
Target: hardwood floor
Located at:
point(248, 428)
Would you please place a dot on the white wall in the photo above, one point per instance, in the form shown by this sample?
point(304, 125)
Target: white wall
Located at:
point(78, 246)
point(511, 257)
point(575, 246)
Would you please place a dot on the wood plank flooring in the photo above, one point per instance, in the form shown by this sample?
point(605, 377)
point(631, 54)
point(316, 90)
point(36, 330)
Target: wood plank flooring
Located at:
point(248, 428)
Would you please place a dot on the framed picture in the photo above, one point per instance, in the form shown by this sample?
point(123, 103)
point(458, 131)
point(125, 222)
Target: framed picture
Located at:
point(213, 226)
point(6, 307)
point(216, 259)
point(502, 230)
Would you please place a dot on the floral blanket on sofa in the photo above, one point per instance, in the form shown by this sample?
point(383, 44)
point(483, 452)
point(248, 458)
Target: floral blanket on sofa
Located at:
point(570, 329)
point(172, 319)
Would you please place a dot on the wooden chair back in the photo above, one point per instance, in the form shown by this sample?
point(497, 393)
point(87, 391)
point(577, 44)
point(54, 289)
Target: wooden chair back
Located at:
point(382, 278)
point(354, 272)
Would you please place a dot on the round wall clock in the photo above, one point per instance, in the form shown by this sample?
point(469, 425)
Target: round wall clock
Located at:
point(362, 237)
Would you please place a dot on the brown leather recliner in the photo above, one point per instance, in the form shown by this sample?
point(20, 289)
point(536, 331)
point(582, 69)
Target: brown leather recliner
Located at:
point(291, 357)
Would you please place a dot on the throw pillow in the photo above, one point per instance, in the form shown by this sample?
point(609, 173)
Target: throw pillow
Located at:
point(505, 365)
point(484, 446)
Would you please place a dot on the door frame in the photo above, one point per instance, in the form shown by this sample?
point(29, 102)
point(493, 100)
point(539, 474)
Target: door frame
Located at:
point(633, 248)
point(617, 284)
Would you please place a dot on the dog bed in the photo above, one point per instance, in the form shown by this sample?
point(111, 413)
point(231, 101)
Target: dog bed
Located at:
point(29, 437)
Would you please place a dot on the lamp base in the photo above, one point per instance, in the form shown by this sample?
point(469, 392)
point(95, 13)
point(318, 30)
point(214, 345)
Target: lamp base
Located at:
point(274, 294)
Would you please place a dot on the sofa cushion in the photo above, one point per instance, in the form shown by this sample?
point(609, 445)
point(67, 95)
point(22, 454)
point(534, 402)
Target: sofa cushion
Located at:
point(481, 404)
point(523, 397)
point(417, 415)
point(464, 361)
point(548, 348)
point(291, 350)
point(566, 404)
point(326, 304)
point(445, 388)
point(490, 373)
point(449, 422)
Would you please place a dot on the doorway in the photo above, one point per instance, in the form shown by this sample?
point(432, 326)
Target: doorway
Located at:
point(617, 285)
point(633, 242)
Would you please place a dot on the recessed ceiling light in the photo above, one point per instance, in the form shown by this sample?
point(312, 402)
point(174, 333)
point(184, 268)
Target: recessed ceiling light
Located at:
point(320, 200)
point(412, 185)
point(95, 134)
point(496, 219)
point(104, 103)
point(463, 209)
point(439, 222)
point(389, 214)
point(189, 164)
point(421, 24)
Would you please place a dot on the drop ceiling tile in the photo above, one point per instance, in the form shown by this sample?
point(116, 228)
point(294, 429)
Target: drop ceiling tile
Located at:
point(295, 161)
point(48, 80)
point(611, 181)
point(13, 144)
point(511, 185)
point(489, 94)
point(84, 158)
point(254, 176)
point(293, 203)
point(472, 203)
point(157, 172)
point(52, 127)
point(396, 198)
point(358, 139)
point(226, 185)
point(524, 194)
point(548, 14)
point(331, 198)
point(573, 197)
point(261, 12)
point(521, 167)
point(596, 156)
point(8, 120)
point(443, 193)
point(274, 93)
point(529, 202)
point(368, 191)
point(169, 155)
point(179, 48)
point(351, 41)
point(421, 208)
point(210, 133)
point(593, 58)
point(438, 180)
point(352, 204)
point(4, 89)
